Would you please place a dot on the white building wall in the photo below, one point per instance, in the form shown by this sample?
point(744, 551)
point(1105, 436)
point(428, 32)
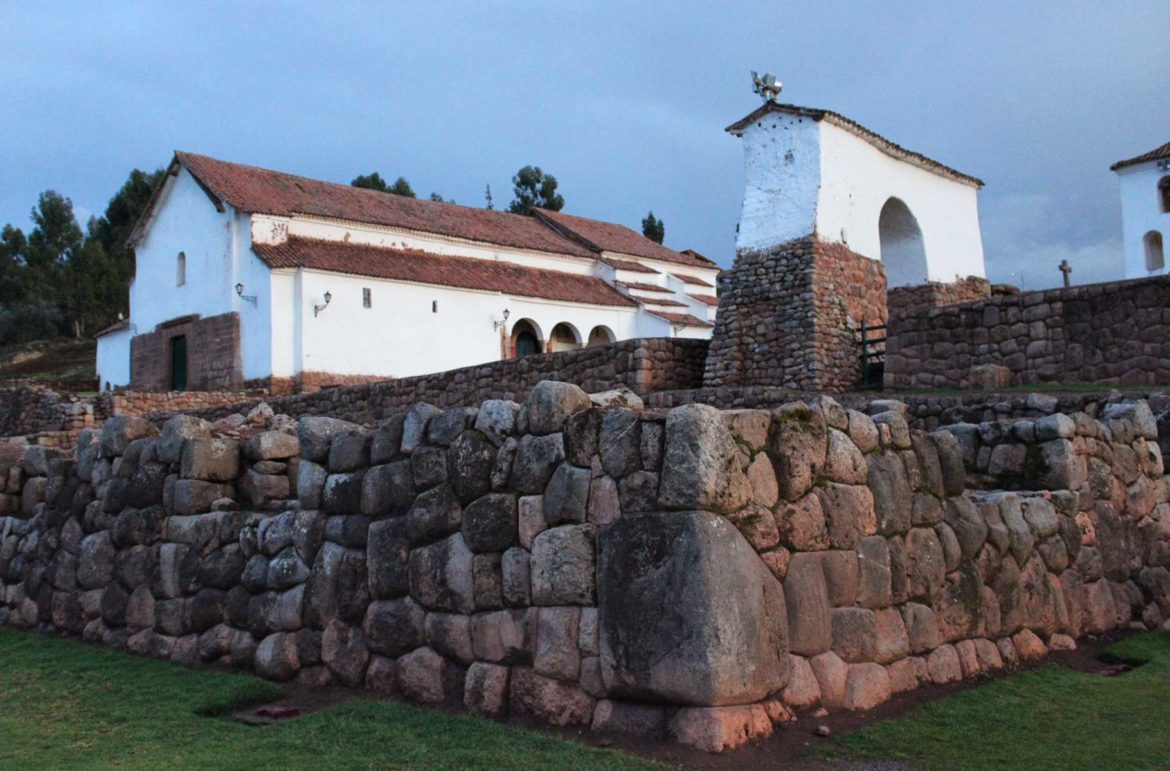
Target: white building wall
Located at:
point(857, 179)
point(782, 172)
point(113, 359)
point(405, 334)
point(1141, 212)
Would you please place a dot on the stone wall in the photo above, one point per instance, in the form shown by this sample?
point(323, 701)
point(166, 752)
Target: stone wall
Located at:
point(917, 300)
point(1113, 333)
point(642, 365)
point(788, 317)
point(35, 409)
point(213, 354)
point(698, 574)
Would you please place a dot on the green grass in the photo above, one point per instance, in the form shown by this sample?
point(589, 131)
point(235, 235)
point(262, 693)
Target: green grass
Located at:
point(64, 704)
point(1045, 718)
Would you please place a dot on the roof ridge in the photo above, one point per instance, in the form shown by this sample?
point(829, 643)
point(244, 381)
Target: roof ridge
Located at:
point(1157, 154)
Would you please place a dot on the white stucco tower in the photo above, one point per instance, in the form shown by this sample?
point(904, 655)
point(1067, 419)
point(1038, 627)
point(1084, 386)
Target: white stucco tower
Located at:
point(814, 172)
point(1145, 211)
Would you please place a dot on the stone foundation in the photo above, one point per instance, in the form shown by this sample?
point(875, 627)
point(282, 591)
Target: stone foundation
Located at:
point(571, 558)
point(213, 354)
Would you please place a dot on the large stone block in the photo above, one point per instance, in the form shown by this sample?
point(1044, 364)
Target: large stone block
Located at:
point(394, 627)
point(210, 460)
point(550, 403)
point(537, 457)
point(891, 492)
point(701, 467)
point(798, 445)
point(807, 599)
point(490, 522)
point(387, 489)
point(435, 514)
point(562, 566)
point(684, 605)
point(315, 434)
point(441, 575)
point(387, 552)
point(470, 461)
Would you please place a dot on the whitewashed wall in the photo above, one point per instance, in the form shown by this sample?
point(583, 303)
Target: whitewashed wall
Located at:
point(1141, 212)
point(113, 359)
point(804, 176)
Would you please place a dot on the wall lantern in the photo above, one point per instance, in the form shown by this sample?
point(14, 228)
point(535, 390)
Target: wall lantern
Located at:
point(318, 308)
point(248, 298)
point(506, 314)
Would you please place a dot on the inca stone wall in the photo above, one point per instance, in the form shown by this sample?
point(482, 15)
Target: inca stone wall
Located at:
point(213, 354)
point(788, 317)
point(1098, 333)
point(921, 299)
point(698, 573)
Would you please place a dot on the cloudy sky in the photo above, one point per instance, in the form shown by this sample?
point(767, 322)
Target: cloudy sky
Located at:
point(624, 102)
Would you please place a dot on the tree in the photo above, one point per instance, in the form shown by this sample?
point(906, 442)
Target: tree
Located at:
point(12, 248)
point(535, 190)
point(487, 194)
point(653, 228)
point(402, 187)
point(372, 181)
point(440, 199)
point(113, 231)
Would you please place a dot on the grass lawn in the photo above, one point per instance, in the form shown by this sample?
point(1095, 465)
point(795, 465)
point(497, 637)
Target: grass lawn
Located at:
point(64, 704)
point(1044, 718)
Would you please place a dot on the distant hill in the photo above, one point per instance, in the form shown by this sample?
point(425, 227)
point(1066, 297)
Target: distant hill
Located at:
point(67, 365)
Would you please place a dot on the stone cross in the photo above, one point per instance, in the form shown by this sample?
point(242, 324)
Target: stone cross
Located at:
point(1066, 269)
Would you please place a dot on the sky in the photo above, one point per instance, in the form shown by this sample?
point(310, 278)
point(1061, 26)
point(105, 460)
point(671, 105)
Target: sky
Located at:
point(625, 103)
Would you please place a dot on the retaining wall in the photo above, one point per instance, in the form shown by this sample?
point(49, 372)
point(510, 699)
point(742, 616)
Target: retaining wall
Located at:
point(698, 574)
point(1111, 333)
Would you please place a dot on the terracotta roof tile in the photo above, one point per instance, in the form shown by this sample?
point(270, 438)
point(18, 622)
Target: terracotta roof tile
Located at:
point(662, 303)
point(856, 128)
point(709, 300)
point(1157, 154)
point(685, 319)
point(610, 237)
point(646, 287)
point(261, 191)
point(693, 280)
point(117, 326)
point(440, 270)
point(632, 267)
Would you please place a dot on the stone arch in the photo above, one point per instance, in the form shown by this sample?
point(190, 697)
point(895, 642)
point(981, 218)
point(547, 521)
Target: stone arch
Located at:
point(903, 251)
point(600, 335)
point(564, 337)
point(1155, 256)
point(526, 339)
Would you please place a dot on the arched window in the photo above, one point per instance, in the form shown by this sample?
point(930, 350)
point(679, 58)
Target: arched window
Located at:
point(1155, 257)
point(181, 269)
point(600, 335)
point(1164, 193)
point(525, 339)
point(564, 337)
point(903, 254)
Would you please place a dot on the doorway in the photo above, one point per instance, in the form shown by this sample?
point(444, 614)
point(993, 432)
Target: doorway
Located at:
point(179, 363)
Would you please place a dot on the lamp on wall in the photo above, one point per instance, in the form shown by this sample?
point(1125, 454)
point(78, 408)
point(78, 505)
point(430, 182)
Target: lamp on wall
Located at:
point(248, 298)
point(318, 308)
point(506, 314)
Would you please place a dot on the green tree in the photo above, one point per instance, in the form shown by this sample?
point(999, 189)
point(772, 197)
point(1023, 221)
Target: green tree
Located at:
point(653, 228)
point(535, 190)
point(113, 231)
point(12, 268)
point(371, 181)
point(402, 187)
point(487, 194)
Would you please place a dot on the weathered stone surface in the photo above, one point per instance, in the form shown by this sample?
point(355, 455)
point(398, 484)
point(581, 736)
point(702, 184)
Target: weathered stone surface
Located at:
point(925, 563)
point(490, 522)
point(450, 635)
point(620, 443)
point(537, 457)
point(470, 461)
point(701, 468)
point(807, 599)
point(343, 650)
point(429, 466)
point(210, 460)
point(485, 690)
point(343, 493)
point(95, 562)
point(386, 443)
point(549, 700)
point(386, 490)
point(550, 403)
point(715, 729)
point(348, 451)
point(256, 489)
point(832, 674)
point(276, 656)
point(854, 633)
point(174, 432)
point(849, 513)
point(424, 675)
point(435, 513)
point(557, 654)
point(664, 633)
point(272, 445)
point(394, 627)
point(798, 445)
point(567, 496)
point(841, 576)
point(448, 424)
point(943, 665)
point(119, 431)
point(891, 492)
point(388, 548)
point(315, 435)
point(802, 525)
point(504, 636)
point(516, 577)
point(441, 575)
point(631, 719)
point(562, 566)
point(802, 690)
point(866, 686)
point(310, 485)
point(497, 419)
point(844, 462)
point(950, 457)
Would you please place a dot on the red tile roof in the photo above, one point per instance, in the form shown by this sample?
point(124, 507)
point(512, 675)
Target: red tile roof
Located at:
point(874, 138)
point(609, 237)
point(685, 319)
point(1157, 154)
point(260, 191)
point(646, 287)
point(117, 326)
point(662, 303)
point(632, 267)
point(693, 280)
point(439, 270)
point(709, 300)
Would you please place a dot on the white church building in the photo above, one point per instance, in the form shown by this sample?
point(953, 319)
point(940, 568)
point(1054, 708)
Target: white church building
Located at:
point(1145, 211)
point(815, 172)
point(250, 277)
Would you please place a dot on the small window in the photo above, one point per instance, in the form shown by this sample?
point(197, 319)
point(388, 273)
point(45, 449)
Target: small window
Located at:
point(181, 269)
point(1164, 193)
point(434, 306)
point(1155, 257)
point(367, 301)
